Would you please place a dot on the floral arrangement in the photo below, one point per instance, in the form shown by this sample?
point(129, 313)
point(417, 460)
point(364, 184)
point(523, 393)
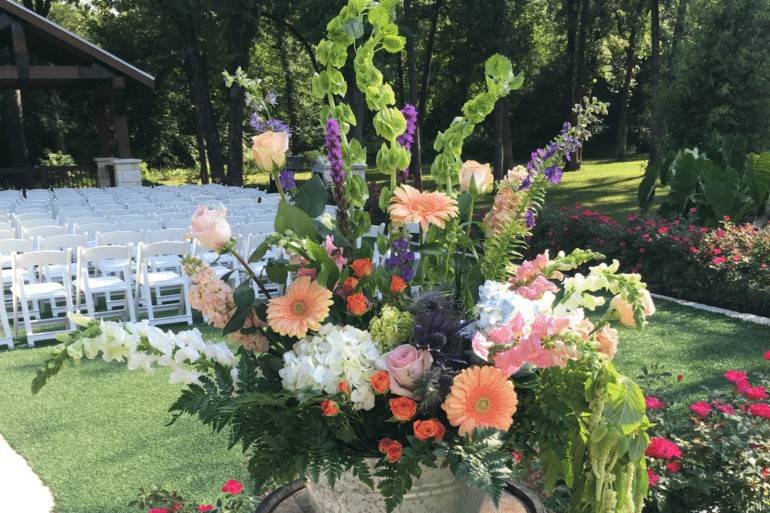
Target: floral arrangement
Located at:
point(431, 346)
point(711, 454)
point(729, 263)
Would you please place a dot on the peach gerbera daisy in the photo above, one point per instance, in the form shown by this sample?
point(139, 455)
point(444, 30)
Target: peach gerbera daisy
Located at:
point(480, 397)
point(304, 306)
point(412, 206)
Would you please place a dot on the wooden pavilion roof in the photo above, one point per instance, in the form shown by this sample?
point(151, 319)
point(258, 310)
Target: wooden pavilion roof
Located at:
point(46, 55)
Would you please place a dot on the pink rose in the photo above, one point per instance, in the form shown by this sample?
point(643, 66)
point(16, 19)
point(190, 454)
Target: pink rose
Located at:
point(210, 227)
point(405, 364)
point(626, 310)
point(608, 341)
point(269, 149)
point(481, 175)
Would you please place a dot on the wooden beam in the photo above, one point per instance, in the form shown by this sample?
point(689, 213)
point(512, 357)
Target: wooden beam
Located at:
point(20, 52)
point(51, 76)
point(103, 126)
point(5, 21)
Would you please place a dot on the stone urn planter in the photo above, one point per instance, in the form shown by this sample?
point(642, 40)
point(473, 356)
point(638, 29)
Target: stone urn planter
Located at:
point(436, 491)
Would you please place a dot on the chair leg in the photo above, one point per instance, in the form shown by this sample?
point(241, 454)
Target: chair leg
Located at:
point(90, 303)
point(15, 318)
point(147, 293)
point(27, 323)
point(130, 305)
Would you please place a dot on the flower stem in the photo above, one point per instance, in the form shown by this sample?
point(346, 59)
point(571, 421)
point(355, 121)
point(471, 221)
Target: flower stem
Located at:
point(250, 272)
point(277, 179)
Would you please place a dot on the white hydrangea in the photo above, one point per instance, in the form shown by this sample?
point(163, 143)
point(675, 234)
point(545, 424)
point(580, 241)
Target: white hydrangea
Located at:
point(336, 354)
point(498, 305)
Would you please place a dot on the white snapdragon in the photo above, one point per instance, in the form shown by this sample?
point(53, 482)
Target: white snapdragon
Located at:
point(336, 354)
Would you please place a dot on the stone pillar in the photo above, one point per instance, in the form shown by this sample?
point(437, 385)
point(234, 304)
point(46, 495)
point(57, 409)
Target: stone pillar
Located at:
point(127, 172)
point(103, 168)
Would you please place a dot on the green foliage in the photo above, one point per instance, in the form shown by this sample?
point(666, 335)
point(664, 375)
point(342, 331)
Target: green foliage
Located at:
point(311, 197)
point(500, 81)
point(482, 461)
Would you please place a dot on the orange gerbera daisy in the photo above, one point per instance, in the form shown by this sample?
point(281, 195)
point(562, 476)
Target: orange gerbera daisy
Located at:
point(480, 397)
point(304, 306)
point(412, 206)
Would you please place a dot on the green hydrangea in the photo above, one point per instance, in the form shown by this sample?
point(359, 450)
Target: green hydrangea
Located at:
point(391, 327)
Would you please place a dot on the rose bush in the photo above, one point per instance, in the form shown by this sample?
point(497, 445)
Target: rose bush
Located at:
point(727, 266)
point(712, 454)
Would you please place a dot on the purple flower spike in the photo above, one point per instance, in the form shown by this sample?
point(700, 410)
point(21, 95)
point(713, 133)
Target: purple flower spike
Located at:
point(407, 138)
point(530, 218)
point(334, 154)
point(287, 180)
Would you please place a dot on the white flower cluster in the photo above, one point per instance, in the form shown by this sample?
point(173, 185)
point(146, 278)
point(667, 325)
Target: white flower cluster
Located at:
point(336, 354)
point(578, 288)
point(498, 305)
point(178, 351)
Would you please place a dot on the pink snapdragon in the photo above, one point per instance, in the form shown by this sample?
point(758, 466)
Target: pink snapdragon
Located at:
point(531, 349)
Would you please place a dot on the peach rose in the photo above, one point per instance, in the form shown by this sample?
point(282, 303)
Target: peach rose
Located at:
point(269, 149)
point(329, 408)
point(380, 382)
point(405, 364)
point(626, 310)
point(210, 227)
point(608, 341)
point(480, 173)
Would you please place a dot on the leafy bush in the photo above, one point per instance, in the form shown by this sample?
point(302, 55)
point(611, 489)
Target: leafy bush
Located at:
point(724, 266)
point(230, 500)
point(720, 457)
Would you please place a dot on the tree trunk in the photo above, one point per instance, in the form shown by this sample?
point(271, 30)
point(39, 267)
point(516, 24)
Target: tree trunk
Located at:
point(422, 107)
point(400, 84)
point(571, 7)
point(56, 124)
point(291, 110)
point(507, 138)
point(357, 104)
point(197, 76)
point(681, 13)
point(201, 142)
point(656, 131)
point(411, 77)
point(14, 120)
point(243, 24)
point(621, 139)
point(580, 71)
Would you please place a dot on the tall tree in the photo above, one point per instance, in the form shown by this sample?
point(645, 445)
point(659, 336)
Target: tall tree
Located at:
point(242, 24)
point(636, 21)
point(656, 128)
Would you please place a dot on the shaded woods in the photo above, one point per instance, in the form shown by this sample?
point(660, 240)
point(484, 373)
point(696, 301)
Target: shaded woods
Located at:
point(643, 56)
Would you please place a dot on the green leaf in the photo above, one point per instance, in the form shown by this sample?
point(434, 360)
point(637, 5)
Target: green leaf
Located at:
point(311, 197)
point(277, 271)
point(243, 295)
point(464, 204)
point(637, 447)
point(384, 200)
point(259, 253)
point(294, 219)
point(625, 402)
point(238, 319)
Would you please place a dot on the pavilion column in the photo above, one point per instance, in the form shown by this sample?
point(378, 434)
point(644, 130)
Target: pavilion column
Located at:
point(103, 130)
point(119, 117)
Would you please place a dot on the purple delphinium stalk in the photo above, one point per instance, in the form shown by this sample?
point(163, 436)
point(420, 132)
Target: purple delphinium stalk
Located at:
point(407, 138)
point(549, 160)
point(530, 217)
point(333, 146)
point(263, 125)
point(287, 180)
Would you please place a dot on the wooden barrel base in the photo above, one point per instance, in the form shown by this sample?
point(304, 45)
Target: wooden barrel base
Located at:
point(293, 499)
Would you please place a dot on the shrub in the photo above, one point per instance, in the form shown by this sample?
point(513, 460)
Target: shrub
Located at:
point(725, 266)
point(710, 455)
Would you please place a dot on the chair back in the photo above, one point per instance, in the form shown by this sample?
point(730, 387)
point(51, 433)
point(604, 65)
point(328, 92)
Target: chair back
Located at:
point(61, 242)
point(43, 231)
point(165, 235)
point(7, 234)
point(41, 261)
point(119, 238)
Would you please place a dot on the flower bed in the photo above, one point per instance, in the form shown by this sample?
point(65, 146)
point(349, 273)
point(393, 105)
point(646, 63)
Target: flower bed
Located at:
point(711, 455)
point(727, 266)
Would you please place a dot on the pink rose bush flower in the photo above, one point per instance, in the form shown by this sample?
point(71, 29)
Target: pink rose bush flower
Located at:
point(405, 364)
point(210, 228)
point(702, 409)
point(654, 403)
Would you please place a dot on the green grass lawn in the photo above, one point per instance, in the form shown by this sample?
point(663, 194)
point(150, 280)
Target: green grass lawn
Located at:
point(606, 186)
point(97, 433)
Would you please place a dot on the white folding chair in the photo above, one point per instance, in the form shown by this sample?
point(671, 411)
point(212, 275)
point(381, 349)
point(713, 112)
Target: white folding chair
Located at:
point(165, 235)
point(119, 238)
point(7, 234)
point(256, 228)
point(174, 283)
point(20, 218)
point(43, 231)
point(7, 337)
point(183, 223)
point(221, 266)
point(107, 284)
point(61, 243)
point(29, 274)
point(133, 226)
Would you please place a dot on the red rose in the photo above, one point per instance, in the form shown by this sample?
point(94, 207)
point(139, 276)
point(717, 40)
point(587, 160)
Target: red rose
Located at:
point(205, 507)
point(702, 409)
point(662, 449)
point(362, 267)
point(516, 456)
point(343, 388)
point(767, 356)
point(397, 284)
point(380, 382)
point(403, 408)
point(652, 477)
point(426, 429)
point(158, 510)
point(357, 304)
point(384, 444)
point(673, 467)
point(755, 393)
point(760, 410)
point(679, 377)
point(329, 408)
point(734, 376)
point(233, 487)
point(393, 454)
